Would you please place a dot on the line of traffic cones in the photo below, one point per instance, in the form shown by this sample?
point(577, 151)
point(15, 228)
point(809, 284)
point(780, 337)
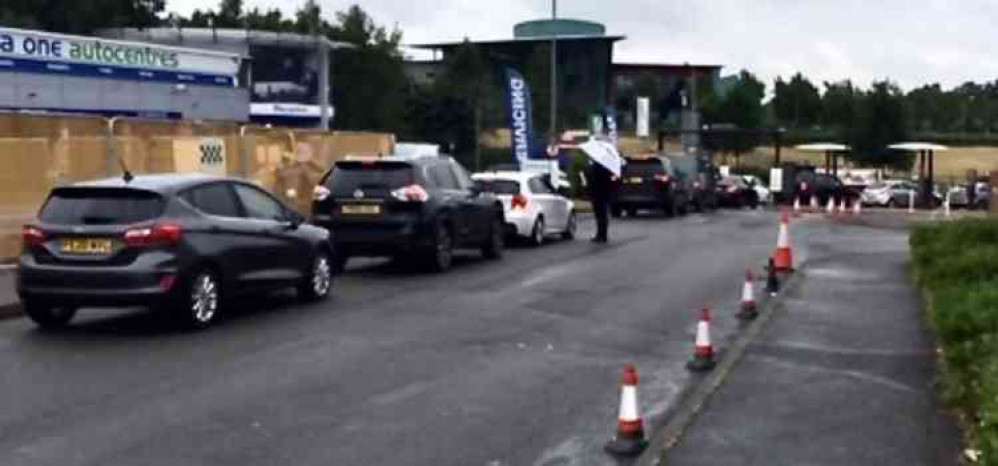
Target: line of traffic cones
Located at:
point(630, 439)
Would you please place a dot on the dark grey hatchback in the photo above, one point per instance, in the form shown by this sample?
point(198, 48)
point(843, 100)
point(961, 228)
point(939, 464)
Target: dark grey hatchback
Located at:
point(180, 244)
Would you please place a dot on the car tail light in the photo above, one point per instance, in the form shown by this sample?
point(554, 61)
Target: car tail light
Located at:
point(732, 189)
point(697, 185)
point(32, 236)
point(411, 193)
point(662, 178)
point(320, 193)
point(519, 202)
point(165, 234)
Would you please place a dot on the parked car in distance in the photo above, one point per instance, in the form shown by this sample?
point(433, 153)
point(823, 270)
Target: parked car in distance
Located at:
point(756, 184)
point(895, 193)
point(649, 183)
point(959, 196)
point(733, 191)
point(182, 244)
point(823, 187)
point(534, 210)
point(700, 178)
point(399, 207)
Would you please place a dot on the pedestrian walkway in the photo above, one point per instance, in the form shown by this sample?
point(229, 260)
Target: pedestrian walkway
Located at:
point(843, 375)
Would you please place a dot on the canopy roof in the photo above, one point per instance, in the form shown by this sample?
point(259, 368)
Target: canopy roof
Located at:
point(919, 146)
point(824, 147)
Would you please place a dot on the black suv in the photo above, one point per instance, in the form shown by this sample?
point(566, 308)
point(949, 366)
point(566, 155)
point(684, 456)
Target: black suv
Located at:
point(182, 244)
point(649, 183)
point(425, 206)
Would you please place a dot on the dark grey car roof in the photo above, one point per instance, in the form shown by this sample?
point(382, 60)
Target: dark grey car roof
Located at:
point(166, 183)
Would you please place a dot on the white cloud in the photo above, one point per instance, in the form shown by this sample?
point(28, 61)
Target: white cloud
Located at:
point(910, 41)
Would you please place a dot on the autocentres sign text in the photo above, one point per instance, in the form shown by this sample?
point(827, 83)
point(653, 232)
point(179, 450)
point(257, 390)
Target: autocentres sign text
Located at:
point(18, 43)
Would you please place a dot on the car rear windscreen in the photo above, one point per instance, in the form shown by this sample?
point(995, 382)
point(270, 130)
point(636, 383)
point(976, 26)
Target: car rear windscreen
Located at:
point(500, 187)
point(100, 206)
point(371, 178)
point(644, 167)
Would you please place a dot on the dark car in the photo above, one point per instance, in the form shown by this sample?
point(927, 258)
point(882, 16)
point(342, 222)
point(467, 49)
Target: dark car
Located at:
point(649, 183)
point(700, 177)
point(823, 187)
point(425, 206)
point(733, 191)
point(182, 244)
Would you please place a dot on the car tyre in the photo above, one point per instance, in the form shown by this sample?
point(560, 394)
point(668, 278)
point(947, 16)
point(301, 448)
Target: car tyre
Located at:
point(496, 243)
point(47, 316)
point(200, 300)
point(441, 257)
point(318, 282)
point(570, 227)
point(537, 232)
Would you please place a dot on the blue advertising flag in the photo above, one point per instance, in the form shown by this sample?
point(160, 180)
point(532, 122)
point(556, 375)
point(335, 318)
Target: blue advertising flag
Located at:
point(521, 127)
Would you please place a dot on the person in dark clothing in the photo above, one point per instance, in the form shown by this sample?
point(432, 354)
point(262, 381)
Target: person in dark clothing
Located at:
point(600, 182)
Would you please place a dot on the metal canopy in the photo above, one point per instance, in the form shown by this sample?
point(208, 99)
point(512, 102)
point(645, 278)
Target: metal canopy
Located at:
point(918, 147)
point(824, 147)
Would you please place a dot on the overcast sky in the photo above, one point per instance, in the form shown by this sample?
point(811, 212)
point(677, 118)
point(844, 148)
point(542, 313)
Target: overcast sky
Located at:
point(910, 41)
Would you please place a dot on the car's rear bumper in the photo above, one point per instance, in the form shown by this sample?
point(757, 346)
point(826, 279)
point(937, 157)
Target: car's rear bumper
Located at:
point(378, 239)
point(641, 200)
point(94, 286)
point(519, 223)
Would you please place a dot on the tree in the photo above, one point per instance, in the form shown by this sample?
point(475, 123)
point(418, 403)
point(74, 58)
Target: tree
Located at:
point(741, 109)
point(881, 120)
point(81, 16)
point(796, 103)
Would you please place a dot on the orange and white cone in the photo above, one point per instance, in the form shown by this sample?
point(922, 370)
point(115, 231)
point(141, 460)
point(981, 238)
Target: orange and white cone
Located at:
point(830, 210)
point(843, 209)
point(857, 207)
point(748, 309)
point(814, 204)
point(703, 351)
point(630, 439)
point(796, 207)
point(784, 258)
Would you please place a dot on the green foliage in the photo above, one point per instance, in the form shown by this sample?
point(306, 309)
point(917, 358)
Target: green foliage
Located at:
point(741, 108)
point(958, 263)
point(880, 122)
point(80, 16)
point(796, 103)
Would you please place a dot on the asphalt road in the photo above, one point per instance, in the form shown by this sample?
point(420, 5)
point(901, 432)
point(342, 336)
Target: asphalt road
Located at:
point(510, 363)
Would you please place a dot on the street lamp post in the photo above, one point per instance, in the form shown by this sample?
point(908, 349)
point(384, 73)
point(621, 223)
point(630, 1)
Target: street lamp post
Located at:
point(554, 69)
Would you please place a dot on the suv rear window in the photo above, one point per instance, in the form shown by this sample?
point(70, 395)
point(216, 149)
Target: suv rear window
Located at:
point(500, 186)
point(100, 206)
point(373, 179)
point(640, 167)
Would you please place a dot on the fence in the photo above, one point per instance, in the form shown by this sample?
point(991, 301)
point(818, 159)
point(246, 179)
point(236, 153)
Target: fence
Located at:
point(39, 152)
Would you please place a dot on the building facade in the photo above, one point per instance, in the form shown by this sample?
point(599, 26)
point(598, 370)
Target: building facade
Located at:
point(57, 73)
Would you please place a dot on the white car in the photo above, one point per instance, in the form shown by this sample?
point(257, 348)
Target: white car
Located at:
point(887, 192)
point(534, 209)
point(760, 188)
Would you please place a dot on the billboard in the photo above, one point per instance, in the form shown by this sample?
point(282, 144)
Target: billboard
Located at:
point(285, 82)
point(43, 52)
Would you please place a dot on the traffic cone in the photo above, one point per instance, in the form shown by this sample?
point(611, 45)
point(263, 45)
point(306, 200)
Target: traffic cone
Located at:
point(630, 439)
point(796, 207)
point(842, 207)
point(857, 207)
point(748, 311)
point(703, 352)
point(784, 256)
point(830, 210)
point(814, 204)
point(772, 281)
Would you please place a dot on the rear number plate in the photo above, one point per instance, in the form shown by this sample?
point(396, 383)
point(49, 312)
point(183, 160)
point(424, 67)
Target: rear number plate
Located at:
point(88, 246)
point(360, 209)
point(635, 180)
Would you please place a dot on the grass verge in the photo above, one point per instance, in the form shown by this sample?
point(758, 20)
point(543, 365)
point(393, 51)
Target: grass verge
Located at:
point(957, 265)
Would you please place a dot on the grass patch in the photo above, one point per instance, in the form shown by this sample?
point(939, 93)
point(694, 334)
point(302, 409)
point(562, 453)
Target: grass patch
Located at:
point(957, 263)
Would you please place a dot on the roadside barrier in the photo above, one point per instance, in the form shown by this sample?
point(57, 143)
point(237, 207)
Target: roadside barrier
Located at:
point(784, 255)
point(703, 351)
point(748, 310)
point(911, 201)
point(630, 439)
